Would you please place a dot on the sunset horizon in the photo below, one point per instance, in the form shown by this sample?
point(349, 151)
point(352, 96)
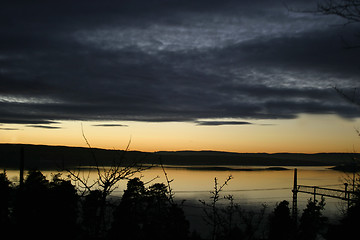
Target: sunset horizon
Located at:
point(236, 76)
point(240, 119)
point(305, 134)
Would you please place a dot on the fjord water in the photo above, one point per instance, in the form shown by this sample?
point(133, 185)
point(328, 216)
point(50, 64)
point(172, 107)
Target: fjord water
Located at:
point(250, 186)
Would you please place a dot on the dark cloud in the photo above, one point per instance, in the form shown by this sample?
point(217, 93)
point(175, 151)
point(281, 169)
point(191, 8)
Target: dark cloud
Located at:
point(9, 129)
point(170, 60)
point(44, 126)
point(110, 125)
point(220, 123)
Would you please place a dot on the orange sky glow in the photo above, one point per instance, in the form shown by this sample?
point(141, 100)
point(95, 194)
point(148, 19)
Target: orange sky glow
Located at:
point(306, 134)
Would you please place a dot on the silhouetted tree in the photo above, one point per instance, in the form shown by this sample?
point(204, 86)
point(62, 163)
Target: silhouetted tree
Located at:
point(252, 222)
point(212, 211)
point(148, 213)
point(130, 214)
point(108, 177)
point(44, 208)
point(230, 221)
point(281, 225)
point(165, 219)
point(348, 225)
point(5, 191)
point(32, 208)
point(63, 200)
point(312, 222)
point(91, 213)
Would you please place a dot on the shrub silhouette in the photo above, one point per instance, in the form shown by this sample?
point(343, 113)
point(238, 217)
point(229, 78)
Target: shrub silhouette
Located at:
point(230, 221)
point(5, 192)
point(52, 209)
point(148, 213)
point(281, 225)
point(64, 207)
point(45, 208)
point(312, 222)
point(91, 205)
point(348, 225)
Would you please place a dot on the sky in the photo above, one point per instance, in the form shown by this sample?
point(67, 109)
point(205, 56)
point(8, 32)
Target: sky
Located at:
point(241, 76)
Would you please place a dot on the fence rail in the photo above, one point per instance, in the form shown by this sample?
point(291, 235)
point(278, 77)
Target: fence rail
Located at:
point(328, 192)
point(349, 196)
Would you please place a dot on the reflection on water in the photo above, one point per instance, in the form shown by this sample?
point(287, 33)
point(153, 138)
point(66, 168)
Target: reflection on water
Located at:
point(249, 188)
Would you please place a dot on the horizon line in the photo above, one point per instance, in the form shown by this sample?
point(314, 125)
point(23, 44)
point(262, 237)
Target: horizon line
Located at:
point(174, 151)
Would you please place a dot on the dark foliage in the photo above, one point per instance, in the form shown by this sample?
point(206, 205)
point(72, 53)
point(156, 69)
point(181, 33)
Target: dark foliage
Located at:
point(347, 228)
point(281, 225)
point(231, 221)
point(312, 222)
point(5, 191)
point(148, 213)
point(46, 207)
point(91, 205)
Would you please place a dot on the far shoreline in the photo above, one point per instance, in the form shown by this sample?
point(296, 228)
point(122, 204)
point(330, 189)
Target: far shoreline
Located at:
point(61, 157)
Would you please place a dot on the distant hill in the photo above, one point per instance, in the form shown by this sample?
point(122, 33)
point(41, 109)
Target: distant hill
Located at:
point(57, 157)
point(256, 159)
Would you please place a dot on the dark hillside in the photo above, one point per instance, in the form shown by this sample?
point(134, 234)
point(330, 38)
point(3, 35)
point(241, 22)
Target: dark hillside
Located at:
point(255, 159)
point(57, 157)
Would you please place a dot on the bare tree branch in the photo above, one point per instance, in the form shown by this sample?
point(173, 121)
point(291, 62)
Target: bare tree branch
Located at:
point(349, 10)
point(350, 97)
point(108, 176)
point(171, 194)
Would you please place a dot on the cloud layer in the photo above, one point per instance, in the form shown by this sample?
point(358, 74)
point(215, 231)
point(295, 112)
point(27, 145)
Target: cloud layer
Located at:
point(170, 60)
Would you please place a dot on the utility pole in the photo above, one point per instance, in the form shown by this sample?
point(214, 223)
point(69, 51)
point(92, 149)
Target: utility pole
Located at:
point(21, 167)
point(347, 195)
point(294, 203)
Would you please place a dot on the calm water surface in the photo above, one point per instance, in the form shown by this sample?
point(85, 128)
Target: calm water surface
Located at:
point(249, 188)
